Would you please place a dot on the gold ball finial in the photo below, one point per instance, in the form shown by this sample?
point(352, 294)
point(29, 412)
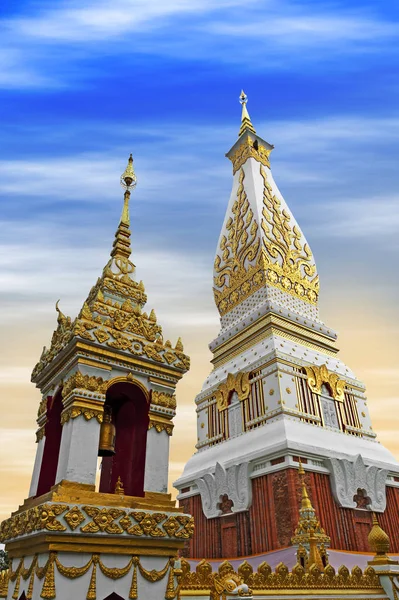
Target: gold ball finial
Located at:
point(128, 177)
point(301, 470)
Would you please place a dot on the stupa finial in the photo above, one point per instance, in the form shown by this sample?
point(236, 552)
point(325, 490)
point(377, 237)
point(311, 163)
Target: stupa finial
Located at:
point(121, 246)
point(246, 123)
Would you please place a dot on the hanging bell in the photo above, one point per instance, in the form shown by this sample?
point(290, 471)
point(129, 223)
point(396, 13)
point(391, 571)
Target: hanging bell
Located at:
point(106, 446)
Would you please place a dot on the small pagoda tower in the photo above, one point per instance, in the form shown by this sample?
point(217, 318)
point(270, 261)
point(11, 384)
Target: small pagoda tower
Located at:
point(108, 390)
point(309, 538)
point(278, 391)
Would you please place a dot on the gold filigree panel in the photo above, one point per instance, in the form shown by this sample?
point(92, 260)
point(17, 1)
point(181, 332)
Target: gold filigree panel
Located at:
point(289, 260)
point(114, 521)
point(251, 258)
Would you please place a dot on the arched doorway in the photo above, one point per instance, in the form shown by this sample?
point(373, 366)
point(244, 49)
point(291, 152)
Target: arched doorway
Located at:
point(53, 433)
point(129, 408)
point(114, 596)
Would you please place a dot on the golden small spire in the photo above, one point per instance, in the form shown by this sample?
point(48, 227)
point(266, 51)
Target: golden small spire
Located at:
point(305, 502)
point(121, 246)
point(308, 523)
point(246, 123)
point(119, 487)
point(379, 543)
point(314, 553)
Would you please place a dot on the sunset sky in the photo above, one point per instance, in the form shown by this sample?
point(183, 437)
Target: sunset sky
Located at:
point(84, 83)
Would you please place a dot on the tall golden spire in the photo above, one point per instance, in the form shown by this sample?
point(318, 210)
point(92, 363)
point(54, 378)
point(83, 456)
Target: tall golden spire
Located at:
point(308, 523)
point(121, 245)
point(246, 123)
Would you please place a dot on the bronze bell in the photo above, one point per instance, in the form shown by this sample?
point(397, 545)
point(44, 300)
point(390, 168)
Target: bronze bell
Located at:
point(106, 446)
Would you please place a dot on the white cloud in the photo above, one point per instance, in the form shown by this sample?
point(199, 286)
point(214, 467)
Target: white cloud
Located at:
point(228, 31)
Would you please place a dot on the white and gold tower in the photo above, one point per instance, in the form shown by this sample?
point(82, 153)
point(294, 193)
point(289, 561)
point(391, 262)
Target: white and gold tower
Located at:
point(278, 389)
point(107, 382)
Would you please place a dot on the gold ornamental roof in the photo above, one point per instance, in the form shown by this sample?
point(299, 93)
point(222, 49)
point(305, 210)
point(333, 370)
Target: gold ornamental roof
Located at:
point(112, 315)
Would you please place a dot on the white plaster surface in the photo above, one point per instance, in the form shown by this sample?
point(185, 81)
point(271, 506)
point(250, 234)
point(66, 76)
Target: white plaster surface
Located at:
point(36, 467)
point(282, 434)
point(157, 461)
point(79, 451)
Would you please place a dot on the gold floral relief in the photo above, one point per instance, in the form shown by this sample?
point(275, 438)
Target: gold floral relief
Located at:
point(250, 148)
point(277, 256)
point(163, 399)
point(103, 519)
point(317, 376)
point(291, 266)
point(73, 412)
point(147, 524)
point(241, 245)
point(159, 425)
point(85, 382)
point(234, 383)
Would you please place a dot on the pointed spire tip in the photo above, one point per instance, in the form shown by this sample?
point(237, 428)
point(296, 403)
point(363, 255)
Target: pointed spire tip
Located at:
point(246, 123)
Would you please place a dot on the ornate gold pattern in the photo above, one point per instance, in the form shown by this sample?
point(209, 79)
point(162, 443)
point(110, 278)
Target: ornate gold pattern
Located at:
point(379, 543)
point(103, 520)
point(308, 525)
point(73, 412)
point(250, 149)
point(288, 261)
point(110, 520)
point(46, 572)
point(112, 314)
point(74, 517)
point(281, 579)
point(147, 524)
point(43, 517)
point(163, 399)
point(238, 250)
point(160, 425)
point(84, 382)
point(234, 383)
point(317, 376)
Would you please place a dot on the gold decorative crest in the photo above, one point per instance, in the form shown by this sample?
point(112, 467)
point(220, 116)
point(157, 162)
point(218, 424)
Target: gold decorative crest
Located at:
point(84, 382)
point(317, 376)
point(234, 383)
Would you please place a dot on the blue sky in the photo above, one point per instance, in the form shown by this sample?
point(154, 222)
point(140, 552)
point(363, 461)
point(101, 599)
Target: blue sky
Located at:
point(83, 84)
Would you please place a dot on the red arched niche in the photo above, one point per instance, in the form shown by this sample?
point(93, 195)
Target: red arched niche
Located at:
point(130, 416)
point(53, 433)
